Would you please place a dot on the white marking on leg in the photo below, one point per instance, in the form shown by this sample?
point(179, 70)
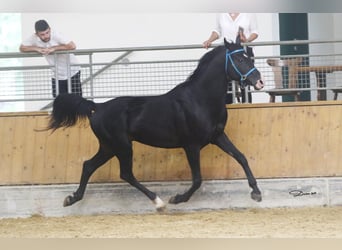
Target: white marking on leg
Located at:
point(160, 205)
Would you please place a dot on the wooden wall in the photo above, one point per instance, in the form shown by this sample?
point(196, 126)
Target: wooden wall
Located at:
point(279, 140)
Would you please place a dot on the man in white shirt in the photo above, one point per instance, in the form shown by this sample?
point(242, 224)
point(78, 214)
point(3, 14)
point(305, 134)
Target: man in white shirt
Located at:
point(229, 25)
point(46, 41)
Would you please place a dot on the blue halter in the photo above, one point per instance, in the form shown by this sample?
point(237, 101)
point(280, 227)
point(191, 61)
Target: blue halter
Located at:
point(229, 58)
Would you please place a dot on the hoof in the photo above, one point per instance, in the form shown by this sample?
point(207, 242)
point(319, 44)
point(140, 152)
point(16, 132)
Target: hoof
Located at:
point(161, 209)
point(160, 205)
point(256, 197)
point(67, 201)
point(177, 199)
point(173, 200)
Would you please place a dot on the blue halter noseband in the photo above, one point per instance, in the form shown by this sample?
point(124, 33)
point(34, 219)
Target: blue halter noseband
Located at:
point(229, 58)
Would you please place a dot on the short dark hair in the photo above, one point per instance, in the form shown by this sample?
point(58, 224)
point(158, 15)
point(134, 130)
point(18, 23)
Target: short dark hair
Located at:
point(41, 25)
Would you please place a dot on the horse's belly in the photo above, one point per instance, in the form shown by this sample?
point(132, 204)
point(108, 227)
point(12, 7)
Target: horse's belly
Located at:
point(155, 139)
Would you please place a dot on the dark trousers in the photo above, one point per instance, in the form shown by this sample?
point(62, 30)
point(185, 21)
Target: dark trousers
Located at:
point(229, 96)
point(76, 86)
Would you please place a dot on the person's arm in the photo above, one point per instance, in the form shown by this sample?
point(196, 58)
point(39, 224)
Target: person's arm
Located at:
point(251, 38)
point(214, 36)
point(24, 48)
point(253, 29)
point(69, 46)
point(45, 51)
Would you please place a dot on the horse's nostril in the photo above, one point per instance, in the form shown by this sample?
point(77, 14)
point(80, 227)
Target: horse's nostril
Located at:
point(259, 84)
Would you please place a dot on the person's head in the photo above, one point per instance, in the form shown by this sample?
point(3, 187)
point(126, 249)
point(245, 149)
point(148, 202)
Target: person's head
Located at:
point(43, 30)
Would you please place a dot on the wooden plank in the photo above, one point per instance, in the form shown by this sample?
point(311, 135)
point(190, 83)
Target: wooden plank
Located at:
point(143, 157)
point(177, 167)
point(303, 124)
point(28, 142)
point(317, 68)
point(266, 144)
point(6, 149)
point(209, 165)
point(56, 164)
point(157, 168)
point(17, 163)
point(72, 156)
point(239, 136)
point(332, 150)
point(318, 141)
point(258, 125)
point(160, 170)
point(39, 152)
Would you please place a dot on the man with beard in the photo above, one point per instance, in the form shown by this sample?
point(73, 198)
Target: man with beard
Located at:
point(46, 41)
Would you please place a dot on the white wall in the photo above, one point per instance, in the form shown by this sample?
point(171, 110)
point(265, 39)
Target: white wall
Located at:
point(128, 30)
point(125, 30)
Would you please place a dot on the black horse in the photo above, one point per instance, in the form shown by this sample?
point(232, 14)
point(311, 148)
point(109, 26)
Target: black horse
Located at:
point(190, 116)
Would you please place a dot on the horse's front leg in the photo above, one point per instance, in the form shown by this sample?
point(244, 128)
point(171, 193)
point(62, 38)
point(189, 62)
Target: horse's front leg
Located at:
point(227, 146)
point(89, 168)
point(193, 156)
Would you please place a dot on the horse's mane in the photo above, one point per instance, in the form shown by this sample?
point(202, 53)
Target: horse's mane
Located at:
point(204, 62)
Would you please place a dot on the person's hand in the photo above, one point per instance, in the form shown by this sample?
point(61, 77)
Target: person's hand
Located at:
point(207, 44)
point(45, 51)
point(243, 38)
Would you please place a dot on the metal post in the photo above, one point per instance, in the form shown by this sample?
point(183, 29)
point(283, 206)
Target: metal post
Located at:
point(234, 90)
point(69, 73)
point(56, 75)
point(91, 75)
point(247, 90)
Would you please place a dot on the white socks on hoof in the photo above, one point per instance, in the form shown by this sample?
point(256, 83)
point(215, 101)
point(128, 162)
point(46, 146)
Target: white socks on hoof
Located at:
point(160, 205)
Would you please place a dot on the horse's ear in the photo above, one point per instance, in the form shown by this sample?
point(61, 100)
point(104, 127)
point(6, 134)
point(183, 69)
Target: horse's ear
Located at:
point(238, 40)
point(225, 42)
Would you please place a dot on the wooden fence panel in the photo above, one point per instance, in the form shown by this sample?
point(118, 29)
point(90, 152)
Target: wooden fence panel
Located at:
point(279, 140)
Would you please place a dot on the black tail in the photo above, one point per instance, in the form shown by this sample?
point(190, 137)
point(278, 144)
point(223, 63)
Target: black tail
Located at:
point(68, 109)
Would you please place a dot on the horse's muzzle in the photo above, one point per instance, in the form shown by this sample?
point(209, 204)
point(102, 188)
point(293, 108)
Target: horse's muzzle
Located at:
point(259, 85)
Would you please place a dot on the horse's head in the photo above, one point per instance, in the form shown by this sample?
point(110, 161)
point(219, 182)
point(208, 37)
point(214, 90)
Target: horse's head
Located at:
point(240, 67)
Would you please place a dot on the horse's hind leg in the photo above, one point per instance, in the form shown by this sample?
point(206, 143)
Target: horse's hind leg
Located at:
point(89, 168)
point(193, 155)
point(126, 174)
point(226, 145)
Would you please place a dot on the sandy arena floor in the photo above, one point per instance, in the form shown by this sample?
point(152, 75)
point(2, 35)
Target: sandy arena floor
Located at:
point(256, 223)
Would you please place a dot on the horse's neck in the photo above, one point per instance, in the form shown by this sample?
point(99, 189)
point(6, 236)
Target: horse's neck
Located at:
point(208, 82)
point(209, 91)
point(213, 82)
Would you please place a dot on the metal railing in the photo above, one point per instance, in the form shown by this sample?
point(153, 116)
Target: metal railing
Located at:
point(25, 78)
point(105, 73)
point(315, 75)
